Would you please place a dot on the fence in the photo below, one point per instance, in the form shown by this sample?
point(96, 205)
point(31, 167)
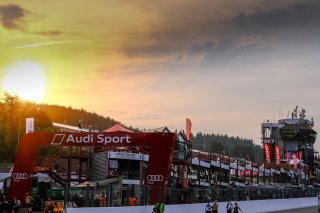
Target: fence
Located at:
point(201, 195)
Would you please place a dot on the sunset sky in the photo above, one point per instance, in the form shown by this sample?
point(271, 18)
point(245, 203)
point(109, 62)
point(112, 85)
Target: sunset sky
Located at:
point(227, 65)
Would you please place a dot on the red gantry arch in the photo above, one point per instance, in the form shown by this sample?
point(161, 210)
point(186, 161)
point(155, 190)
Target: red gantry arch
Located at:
point(161, 154)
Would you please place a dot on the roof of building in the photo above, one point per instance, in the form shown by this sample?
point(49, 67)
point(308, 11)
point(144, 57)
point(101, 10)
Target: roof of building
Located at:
point(297, 126)
point(159, 129)
point(6, 167)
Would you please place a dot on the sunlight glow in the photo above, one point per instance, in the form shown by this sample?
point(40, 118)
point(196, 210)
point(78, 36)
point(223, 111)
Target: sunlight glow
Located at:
point(26, 80)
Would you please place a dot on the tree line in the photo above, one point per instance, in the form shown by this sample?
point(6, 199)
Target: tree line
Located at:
point(223, 144)
point(13, 114)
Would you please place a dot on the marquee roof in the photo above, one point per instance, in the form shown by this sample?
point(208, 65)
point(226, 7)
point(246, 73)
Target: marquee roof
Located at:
point(117, 128)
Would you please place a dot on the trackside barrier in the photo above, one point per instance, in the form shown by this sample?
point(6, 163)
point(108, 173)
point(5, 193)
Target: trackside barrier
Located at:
point(246, 206)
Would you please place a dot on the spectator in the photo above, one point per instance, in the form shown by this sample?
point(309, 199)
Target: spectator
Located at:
point(159, 207)
point(133, 200)
point(236, 208)
point(16, 204)
point(28, 201)
point(49, 206)
point(229, 207)
point(215, 207)
point(4, 205)
point(208, 208)
point(102, 200)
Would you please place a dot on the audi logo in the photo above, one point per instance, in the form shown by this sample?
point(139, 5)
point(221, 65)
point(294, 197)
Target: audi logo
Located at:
point(20, 176)
point(156, 178)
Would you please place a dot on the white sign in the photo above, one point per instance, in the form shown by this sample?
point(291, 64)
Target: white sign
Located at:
point(128, 156)
point(29, 125)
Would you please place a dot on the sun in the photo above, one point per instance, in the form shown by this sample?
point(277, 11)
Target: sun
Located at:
point(26, 80)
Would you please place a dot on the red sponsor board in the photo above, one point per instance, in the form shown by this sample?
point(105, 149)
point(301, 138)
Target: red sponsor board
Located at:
point(161, 146)
point(295, 161)
point(267, 151)
point(300, 155)
point(277, 155)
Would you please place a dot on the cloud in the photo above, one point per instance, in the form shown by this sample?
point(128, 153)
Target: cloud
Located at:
point(240, 32)
point(49, 33)
point(43, 44)
point(11, 14)
point(294, 20)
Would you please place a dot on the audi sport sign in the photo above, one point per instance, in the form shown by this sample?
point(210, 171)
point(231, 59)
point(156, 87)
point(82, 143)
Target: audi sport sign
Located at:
point(160, 148)
point(94, 139)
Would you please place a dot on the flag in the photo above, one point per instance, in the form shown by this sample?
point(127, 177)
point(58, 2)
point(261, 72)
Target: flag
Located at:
point(300, 155)
point(188, 128)
point(277, 155)
point(267, 152)
point(295, 161)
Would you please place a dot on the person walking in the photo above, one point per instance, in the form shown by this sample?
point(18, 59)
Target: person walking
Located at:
point(133, 200)
point(229, 207)
point(28, 201)
point(159, 207)
point(215, 207)
point(102, 200)
point(4, 205)
point(208, 208)
point(49, 206)
point(236, 208)
point(16, 204)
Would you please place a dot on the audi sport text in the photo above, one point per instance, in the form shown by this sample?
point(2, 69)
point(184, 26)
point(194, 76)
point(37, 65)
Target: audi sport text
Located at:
point(101, 138)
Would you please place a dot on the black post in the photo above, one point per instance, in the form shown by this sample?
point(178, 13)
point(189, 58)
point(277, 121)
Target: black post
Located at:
point(318, 203)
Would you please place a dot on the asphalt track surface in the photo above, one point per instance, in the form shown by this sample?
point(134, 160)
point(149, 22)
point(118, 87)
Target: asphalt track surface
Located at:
point(303, 210)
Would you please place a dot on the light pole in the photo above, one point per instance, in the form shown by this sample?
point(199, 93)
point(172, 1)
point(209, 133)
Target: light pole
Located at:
point(204, 142)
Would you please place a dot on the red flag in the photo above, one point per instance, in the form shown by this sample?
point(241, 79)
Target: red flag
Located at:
point(295, 161)
point(277, 155)
point(300, 155)
point(267, 151)
point(188, 128)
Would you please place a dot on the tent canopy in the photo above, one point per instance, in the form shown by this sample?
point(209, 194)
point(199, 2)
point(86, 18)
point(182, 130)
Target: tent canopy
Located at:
point(117, 128)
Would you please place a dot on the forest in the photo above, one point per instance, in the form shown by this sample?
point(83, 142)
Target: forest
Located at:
point(14, 111)
point(229, 146)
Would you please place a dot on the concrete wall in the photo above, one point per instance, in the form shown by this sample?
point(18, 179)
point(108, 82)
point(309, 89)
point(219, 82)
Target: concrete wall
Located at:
point(247, 207)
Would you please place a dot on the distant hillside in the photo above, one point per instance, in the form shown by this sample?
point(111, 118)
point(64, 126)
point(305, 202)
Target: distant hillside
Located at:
point(223, 144)
point(74, 117)
point(238, 147)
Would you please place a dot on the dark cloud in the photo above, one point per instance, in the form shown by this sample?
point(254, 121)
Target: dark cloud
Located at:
point(157, 49)
point(295, 20)
point(246, 32)
point(11, 14)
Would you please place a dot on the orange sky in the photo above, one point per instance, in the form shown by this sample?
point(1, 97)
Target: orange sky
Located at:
point(225, 64)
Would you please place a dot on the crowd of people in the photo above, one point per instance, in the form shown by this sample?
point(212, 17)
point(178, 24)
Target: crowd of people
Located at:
point(15, 205)
point(231, 208)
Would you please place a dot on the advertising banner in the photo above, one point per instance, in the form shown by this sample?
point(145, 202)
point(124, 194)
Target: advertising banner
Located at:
point(267, 152)
point(277, 155)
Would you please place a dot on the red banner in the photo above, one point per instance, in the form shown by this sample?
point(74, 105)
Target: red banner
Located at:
point(267, 151)
point(295, 161)
point(277, 155)
point(287, 156)
point(188, 128)
point(300, 155)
